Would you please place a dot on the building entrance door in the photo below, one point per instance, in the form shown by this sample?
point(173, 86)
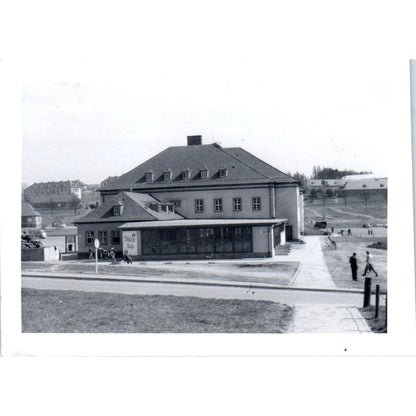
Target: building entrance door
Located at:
point(289, 232)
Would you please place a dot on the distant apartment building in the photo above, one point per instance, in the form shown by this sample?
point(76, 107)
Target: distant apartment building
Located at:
point(71, 194)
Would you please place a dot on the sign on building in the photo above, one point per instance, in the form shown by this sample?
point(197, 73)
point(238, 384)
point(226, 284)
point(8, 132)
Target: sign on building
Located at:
point(131, 242)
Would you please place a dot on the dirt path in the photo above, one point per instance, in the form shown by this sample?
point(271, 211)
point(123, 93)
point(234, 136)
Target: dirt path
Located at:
point(350, 214)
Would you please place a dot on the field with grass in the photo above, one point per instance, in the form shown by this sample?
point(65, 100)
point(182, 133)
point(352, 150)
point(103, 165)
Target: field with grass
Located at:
point(338, 264)
point(54, 311)
point(273, 273)
point(341, 216)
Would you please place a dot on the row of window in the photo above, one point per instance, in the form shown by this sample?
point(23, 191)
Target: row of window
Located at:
point(102, 237)
point(197, 240)
point(186, 174)
point(237, 204)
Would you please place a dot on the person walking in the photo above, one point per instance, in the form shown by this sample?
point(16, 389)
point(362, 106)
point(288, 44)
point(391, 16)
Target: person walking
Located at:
point(112, 256)
point(369, 264)
point(91, 255)
point(354, 266)
point(127, 258)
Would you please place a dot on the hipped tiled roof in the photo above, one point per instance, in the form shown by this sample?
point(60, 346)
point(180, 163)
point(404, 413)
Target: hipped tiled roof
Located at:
point(28, 211)
point(242, 167)
point(135, 208)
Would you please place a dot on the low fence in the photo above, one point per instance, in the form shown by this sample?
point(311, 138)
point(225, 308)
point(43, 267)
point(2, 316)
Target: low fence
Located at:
point(40, 254)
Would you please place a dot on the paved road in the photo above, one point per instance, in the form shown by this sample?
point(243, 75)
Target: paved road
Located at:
point(211, 290)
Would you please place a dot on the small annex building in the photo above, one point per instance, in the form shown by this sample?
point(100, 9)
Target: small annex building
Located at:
point(30, 217)
point(196, 201)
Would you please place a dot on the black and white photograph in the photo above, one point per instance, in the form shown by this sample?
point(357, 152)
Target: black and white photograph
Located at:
point(208, 180)
point(205, 235)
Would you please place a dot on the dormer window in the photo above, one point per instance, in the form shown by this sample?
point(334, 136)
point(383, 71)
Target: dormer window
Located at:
point(117, 210)
point(185, 174)
point(204, 173)
point(167, 175)
point(149, 176)
point(222, 173)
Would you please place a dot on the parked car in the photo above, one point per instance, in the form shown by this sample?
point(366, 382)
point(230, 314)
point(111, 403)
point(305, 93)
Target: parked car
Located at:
point(34, 233)
point(320, 224)
point(27, 244)
point(38, 243)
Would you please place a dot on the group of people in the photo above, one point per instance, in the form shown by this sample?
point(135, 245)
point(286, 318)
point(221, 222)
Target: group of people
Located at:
point(103, 254)
point(368, 265)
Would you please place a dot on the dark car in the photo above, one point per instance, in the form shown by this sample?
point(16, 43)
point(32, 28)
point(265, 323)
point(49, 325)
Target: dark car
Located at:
point(320, 225)
point(38, 243)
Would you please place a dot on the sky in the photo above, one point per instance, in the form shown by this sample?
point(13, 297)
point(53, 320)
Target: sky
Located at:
point(296, 93)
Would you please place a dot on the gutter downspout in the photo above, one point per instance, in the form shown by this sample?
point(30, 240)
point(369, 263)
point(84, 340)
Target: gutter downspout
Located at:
point(272, 197)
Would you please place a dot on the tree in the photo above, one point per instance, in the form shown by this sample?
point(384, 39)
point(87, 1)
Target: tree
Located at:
point(74, 203)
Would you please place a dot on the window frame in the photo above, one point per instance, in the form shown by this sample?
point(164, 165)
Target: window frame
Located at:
point(203, 173)
point(222, 173)
point(89, 238)
point(185, 174)
point(102, 238)
point(237, 204)
point(256, 203)
point(115, 234)
point(218, 205)
point(149, 176)
point(199, 206)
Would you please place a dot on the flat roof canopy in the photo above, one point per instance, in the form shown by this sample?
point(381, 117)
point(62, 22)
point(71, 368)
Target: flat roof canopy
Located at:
point(200, 223)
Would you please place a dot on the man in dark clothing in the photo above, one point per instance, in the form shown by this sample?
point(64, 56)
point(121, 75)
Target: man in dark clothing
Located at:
point(354, 266)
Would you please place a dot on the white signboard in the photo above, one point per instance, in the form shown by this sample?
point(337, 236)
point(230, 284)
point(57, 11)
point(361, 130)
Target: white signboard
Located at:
point(131, 242)
point(97, 243)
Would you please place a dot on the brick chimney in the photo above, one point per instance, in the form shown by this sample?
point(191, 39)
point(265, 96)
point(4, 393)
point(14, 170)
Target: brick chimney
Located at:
point(194, 140)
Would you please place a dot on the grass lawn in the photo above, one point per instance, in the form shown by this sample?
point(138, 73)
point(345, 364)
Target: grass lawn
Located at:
point(84, 312)
point(274, 273)
point(339, 266)
point(337, 215)
point(379, 324)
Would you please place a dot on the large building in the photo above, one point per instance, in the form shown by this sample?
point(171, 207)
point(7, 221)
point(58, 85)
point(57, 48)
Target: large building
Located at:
point(196, 201)
point(58, 195)
point(365, 187)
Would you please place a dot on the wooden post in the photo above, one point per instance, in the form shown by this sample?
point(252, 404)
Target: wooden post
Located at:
point(377, 301)
point(367, 292)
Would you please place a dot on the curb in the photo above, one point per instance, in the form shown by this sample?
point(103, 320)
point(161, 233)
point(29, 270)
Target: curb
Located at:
point(130, 279)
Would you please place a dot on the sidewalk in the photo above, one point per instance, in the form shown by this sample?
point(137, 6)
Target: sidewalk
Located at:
point(328, 319)
point(311, 316)
point(313, 273)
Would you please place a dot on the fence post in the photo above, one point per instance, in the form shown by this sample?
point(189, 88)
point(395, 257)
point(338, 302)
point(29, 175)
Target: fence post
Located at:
point(367, 292)
point(377, 301)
